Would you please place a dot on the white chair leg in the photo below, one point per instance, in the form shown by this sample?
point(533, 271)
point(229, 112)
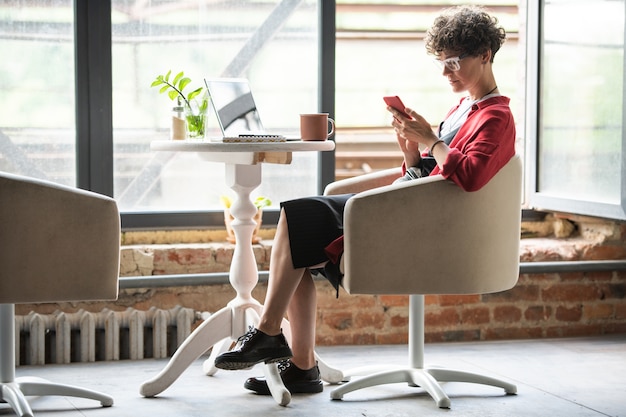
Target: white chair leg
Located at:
point(416, 374)
point(15, 390)
point(452, 375)
point(13, 396)
point(33, 386)
point(414, 377)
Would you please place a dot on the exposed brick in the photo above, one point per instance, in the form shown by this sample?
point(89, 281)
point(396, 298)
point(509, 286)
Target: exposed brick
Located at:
point(575, 330)
point(507, 333)
point(572, 276)
point(451, 336)
point(588, 303)
point(524, 292)
point(613, 291)
point(478, 315)
point(612, 328)
point(394, 300)
point(458, 300)
point(571, 314)
point(506, 314)
point(443, 317)
point(365, 319)
point(538, 313)
point(620, 311)
point(599, 276)
point(604, 252)
point(399, 321)
point(598, 311)
point(338, 320)
point(364, 339)
point(431, 299)
point(571, 292)
point(392, 339)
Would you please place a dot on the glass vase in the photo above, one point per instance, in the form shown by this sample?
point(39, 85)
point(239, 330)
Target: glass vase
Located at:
point(196, 113)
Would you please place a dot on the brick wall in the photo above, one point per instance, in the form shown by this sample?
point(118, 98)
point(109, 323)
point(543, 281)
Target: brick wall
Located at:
point(540, 305)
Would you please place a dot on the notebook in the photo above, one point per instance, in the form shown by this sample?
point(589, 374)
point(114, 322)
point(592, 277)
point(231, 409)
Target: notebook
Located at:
point(236, 112)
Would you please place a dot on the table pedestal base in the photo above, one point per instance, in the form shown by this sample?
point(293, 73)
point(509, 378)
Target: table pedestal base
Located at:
point(216, 332)
point(228, 324)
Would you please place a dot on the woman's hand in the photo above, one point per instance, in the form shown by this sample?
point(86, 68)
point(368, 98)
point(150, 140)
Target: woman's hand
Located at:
point(410, 133)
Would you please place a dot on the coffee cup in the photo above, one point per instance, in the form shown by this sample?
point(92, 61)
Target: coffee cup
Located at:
point(315, 126)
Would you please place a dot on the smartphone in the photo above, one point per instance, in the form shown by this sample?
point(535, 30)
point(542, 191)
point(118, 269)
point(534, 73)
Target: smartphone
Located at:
point(396, 103)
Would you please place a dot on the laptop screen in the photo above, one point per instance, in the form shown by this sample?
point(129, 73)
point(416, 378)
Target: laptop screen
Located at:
point(234, 106)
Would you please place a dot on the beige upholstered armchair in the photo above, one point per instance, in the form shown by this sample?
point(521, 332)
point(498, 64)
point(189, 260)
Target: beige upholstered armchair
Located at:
point(56, 244)
point(428, 236)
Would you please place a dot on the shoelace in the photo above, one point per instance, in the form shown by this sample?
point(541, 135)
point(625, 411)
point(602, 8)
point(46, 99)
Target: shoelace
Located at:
point(283, 365)
point(246, 336)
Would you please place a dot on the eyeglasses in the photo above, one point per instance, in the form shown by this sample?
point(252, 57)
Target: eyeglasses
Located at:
point(453, 64)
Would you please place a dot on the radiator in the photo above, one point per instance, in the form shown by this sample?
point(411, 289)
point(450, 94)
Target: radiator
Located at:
point(105, 336)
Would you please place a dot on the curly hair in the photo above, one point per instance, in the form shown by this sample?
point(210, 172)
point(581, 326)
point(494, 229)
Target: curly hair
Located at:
point(465, 29)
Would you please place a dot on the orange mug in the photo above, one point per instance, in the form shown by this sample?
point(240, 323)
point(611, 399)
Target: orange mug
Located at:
point(314, 126)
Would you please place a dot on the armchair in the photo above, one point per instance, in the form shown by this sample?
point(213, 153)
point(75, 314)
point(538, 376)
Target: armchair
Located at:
point(457, 242)
point(56, 244)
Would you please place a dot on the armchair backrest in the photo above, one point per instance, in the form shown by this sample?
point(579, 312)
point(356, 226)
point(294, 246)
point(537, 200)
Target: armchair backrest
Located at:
point(428, 236)
point(57, 243)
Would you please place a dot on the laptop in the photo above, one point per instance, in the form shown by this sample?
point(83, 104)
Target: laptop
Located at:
point(236, 111)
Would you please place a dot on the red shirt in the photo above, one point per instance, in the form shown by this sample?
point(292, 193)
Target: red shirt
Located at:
point(483, 144)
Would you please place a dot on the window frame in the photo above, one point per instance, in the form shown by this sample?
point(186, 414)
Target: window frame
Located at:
point(536, 199)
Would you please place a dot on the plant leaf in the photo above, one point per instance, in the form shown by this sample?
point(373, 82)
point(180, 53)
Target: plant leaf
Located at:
point(156, 82)
point(173, 94)
point(178, 77)
point(167, 76)
point(164, 89)
point(194, 93)
point(183, 83)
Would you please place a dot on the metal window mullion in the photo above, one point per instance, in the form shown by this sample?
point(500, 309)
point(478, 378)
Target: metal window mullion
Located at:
point(327, 30)
point(94, 103)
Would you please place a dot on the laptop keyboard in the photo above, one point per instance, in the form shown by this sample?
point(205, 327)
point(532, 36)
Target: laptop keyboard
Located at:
point(254, 138)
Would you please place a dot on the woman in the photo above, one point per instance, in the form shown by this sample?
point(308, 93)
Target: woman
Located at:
point(475, 140)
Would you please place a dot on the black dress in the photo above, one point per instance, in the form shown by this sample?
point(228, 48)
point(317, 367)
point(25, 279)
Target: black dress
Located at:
point(313, 223)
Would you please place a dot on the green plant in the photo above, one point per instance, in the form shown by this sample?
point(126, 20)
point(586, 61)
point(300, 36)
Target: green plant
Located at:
point(259, 202)
point(195, 103)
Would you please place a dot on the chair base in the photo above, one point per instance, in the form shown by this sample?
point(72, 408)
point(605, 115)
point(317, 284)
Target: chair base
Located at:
point(15, 393)
point(426, 378)
point(416, 374)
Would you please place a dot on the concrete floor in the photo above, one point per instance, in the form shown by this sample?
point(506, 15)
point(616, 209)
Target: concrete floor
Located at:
point(555, 377)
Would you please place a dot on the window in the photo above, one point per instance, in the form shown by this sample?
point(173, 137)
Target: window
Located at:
point(576, 106)
point(272, 43)
point(37, 122)
point(63, 120)
point(573, 105)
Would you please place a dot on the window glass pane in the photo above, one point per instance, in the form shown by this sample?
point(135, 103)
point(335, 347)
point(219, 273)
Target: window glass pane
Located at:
point(380, 51)
point(37, 133)
point(582, 100)
point(272, 43)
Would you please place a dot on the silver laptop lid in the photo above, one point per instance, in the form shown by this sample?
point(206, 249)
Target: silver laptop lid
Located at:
point(232, 101)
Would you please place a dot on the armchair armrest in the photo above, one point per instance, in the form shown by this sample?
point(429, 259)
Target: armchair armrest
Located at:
point(363, 182)
point(57, 243)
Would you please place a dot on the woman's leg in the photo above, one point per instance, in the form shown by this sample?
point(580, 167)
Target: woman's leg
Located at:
point(286, 290)
point(290, 291)
point(302, 313)
point(283, 282)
